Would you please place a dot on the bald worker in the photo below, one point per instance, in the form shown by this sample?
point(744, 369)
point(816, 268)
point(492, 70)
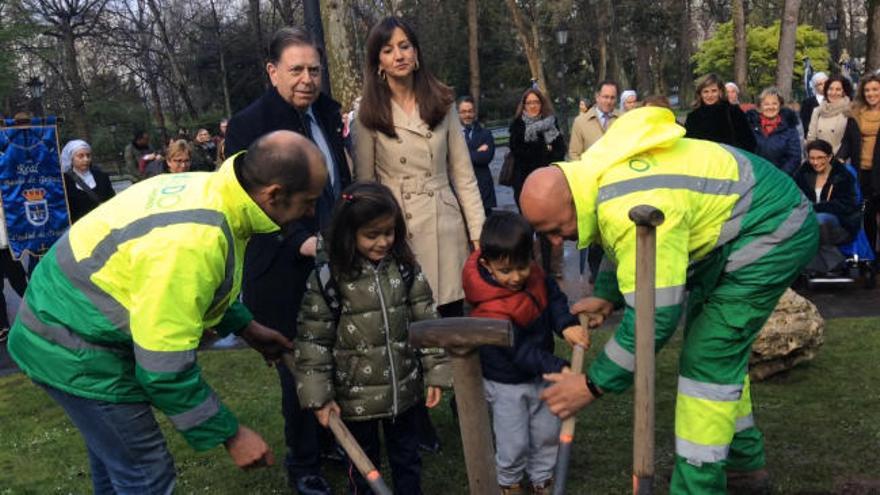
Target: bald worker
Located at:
point(737, 233)
point(113, 315)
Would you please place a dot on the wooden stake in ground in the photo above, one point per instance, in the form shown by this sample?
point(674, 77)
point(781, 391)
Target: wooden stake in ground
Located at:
point(646, 218)
point(347, 441)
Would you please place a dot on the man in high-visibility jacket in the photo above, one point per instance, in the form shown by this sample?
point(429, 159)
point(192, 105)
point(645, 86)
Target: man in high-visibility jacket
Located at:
point(114, 312)
point(737, 233)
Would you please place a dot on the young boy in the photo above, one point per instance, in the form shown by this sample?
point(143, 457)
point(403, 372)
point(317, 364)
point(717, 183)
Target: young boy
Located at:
point(502, 281)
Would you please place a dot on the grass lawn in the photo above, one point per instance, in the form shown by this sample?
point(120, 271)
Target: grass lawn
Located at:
point(821, 423)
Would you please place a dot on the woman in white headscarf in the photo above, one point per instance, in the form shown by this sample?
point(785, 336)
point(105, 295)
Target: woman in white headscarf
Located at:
point(629, 99)
point(87, 186)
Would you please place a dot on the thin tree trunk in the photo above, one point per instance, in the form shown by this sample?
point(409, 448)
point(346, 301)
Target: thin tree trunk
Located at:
point(602, 25)
point(844, 40)
point(872, 57)
point(257, 28)
point(75, 83)
point(224, 77)
point(686, 77)
point(740, 57)
point(530, 46)
point(615, 68)
point(345, 80)
point(180, 82)
point(643, 68)
point(473, 53)
point(787, 40)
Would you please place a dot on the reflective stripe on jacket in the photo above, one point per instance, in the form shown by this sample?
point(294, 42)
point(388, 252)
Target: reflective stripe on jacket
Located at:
point(710, 195)
point(117, 307)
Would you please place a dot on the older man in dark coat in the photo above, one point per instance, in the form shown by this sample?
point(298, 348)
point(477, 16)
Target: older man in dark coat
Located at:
point(276, 267)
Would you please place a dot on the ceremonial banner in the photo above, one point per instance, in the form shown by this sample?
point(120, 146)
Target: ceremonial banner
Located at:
point(31, 186)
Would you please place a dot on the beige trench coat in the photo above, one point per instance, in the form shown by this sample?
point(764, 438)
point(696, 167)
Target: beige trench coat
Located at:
point(418, 166)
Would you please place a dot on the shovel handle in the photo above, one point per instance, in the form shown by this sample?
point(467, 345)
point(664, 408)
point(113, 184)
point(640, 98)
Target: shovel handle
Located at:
point(566, 432)
point(348, 443)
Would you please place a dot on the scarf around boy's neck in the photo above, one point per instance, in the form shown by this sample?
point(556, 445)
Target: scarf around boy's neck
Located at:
point(546, 126)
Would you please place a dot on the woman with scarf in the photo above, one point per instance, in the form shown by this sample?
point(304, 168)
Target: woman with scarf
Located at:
point(776, 131)
point(535, 142)
point(87, 186)
point(832, 120)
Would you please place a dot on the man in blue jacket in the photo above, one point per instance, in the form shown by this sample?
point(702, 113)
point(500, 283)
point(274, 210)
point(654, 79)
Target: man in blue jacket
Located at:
point(481, 145)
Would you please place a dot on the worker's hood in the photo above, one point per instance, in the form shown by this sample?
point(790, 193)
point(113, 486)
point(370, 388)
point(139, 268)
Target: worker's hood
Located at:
point(636, 132)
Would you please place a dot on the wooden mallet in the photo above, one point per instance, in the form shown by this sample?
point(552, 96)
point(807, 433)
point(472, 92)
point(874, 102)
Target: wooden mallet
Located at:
point(461, 337)
point(647, 219)
point(347, 441)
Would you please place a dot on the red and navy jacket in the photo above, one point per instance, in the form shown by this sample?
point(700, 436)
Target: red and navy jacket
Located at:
point(536, 311)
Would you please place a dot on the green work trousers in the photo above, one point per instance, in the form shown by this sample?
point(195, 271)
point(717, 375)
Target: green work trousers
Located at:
point(732, 293)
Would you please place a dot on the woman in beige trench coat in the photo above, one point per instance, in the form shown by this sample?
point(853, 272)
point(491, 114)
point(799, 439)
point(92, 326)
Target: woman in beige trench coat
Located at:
point(408, 137)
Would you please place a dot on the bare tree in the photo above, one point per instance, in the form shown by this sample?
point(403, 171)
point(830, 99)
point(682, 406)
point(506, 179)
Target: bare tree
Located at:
point(527, 32)
point(787, 40)
point(872, 57)
point(178, 78)
point(224, 79)
point(473, 52)
point(740, 57)
point(685, 81)
point(67, 21)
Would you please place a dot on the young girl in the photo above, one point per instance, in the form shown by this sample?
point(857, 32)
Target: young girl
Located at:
point(352, 355)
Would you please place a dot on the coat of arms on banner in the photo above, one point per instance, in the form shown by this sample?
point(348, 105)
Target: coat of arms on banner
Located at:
point(36, 207)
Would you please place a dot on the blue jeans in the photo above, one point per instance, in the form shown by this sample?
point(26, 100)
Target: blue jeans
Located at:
point(127, 452)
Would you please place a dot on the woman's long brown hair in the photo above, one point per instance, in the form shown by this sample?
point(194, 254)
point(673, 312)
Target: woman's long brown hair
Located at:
point(432, 96)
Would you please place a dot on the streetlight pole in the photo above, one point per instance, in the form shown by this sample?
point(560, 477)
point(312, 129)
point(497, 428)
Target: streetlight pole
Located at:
point(562, 39)
point(35, 86)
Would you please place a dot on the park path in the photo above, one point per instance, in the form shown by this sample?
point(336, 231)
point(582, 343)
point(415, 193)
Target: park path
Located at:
point(833, 302)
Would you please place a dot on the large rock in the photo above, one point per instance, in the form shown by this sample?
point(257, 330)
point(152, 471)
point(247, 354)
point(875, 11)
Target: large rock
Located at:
point(792, 335)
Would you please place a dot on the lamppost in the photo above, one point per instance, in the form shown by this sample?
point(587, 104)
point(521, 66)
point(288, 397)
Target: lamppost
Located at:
point(832, 27)
point(35, 86)
point(562, 39)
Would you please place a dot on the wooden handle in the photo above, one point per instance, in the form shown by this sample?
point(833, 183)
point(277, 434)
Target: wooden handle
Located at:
point(566, 433)
point(584, 319)
point(347, 441)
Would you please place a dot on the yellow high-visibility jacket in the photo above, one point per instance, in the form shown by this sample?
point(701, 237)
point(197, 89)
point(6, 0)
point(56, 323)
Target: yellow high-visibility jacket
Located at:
point(117, 307)
point(710, 195)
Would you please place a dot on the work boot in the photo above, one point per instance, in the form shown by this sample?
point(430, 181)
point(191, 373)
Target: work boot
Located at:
point(755, 482)
point(543, 488)
point(514, 489)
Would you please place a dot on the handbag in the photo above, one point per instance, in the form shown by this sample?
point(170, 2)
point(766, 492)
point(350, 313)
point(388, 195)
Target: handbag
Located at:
point(505, 177)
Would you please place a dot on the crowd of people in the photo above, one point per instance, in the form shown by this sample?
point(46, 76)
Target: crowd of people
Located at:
point(340, 228)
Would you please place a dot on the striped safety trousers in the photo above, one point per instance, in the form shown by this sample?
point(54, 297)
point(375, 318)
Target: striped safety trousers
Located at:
point(732, 293)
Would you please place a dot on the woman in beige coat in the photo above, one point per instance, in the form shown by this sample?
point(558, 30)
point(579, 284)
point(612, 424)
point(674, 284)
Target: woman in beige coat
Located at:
point(409, 138)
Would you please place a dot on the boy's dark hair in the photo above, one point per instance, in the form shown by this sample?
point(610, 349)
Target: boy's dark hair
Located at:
point(507, 236)
point(360, 204)
point(821, 145)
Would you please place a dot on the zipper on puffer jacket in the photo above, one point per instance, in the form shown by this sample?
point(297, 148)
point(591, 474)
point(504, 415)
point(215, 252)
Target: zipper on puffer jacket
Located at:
point(387, 342)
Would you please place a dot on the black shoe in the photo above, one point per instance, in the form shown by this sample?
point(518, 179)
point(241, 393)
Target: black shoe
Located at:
point(312, 484)
point(432, 448)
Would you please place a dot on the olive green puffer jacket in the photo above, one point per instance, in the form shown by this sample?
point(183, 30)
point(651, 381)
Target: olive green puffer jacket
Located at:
point(364, 362)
